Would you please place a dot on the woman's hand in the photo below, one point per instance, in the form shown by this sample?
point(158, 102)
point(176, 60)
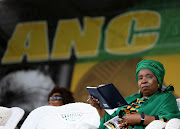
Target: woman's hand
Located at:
point(131, 119)
point(94, 102)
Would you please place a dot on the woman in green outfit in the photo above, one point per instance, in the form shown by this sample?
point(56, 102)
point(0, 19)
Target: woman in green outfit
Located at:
point(150, 104)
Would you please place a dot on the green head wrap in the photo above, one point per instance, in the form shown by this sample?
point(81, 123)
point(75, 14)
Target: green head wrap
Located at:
point(156, 67)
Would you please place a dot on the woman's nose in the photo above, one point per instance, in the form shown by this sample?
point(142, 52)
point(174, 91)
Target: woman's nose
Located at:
point(144, 81)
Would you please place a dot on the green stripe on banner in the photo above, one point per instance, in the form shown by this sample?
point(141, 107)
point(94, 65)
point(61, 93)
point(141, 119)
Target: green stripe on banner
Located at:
point(168, 41)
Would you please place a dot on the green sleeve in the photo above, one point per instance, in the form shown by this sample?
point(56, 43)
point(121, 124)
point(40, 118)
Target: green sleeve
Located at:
point(107, 117)
point(169, 108)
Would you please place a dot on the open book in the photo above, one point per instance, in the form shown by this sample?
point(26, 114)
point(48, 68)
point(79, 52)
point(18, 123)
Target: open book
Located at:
point(108, 96)
point(114, 123)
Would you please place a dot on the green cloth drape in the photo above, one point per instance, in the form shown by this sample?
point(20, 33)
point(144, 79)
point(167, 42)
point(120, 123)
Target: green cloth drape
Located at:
point(161, 103)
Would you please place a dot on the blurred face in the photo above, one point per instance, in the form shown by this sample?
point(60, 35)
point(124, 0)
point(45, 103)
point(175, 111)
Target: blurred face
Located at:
point(147, 82)
point(55, 100)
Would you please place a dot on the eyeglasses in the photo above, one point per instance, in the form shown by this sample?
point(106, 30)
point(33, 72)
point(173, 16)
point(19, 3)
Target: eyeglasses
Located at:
point(56, 97)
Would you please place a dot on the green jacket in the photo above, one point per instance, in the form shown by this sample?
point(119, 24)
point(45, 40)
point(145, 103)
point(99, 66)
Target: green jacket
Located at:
point(161, 103)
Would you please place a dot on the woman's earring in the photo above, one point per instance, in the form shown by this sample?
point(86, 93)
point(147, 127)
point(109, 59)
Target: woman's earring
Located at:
point(158, 85)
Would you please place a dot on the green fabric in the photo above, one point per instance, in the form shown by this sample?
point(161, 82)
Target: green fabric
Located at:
point(161, 103)
point(156, 67)
point(169, 89)
point(133, 107)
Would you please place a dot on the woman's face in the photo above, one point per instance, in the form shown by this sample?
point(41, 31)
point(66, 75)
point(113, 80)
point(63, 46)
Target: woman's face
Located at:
point(55, 100)
point(147, 82)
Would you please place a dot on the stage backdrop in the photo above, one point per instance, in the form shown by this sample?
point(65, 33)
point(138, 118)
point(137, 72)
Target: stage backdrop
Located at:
point(75, 44)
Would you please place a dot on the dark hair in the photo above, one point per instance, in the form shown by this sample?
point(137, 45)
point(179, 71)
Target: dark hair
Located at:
point(66, 94)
